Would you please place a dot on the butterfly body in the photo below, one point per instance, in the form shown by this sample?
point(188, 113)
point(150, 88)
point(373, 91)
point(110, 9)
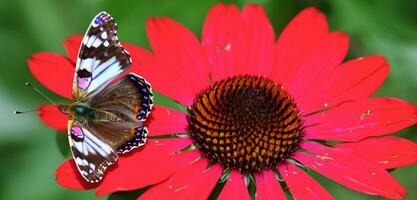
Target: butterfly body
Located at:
point(84, 113)
point(106, 117)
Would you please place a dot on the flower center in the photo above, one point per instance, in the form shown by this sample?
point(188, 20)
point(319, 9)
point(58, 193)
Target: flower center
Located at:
point(245, 122)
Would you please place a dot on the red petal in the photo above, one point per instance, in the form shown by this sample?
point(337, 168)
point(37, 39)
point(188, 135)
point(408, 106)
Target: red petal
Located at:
point(159, 74)
point(317, 65)
point(388, 152)
point(52, 117)
point(136, 53)
point(298, 39)
point(353, 121)
point(260, 41)
point(203, 186)
point(193, 181)
point(301, 185)
point(164, 120)
point(224, 41)
point(72, 46)
point(235, 188)
point(268, 187)
point(67, 175)
point(142, 167)
point(238, 43)
point(351, 171)
point(179, 52)
point(352, 80)
point(54, 71)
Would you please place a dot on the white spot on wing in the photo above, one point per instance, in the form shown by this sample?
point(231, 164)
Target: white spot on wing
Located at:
point(104, 35)
point(91, 40)
point(97, 43)
point(84, 162)
point(84, 173)
point(78, 160)
point(92, 166)
point(87, 64)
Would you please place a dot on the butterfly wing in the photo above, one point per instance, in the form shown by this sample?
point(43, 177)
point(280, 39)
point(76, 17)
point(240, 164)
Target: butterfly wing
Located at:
point(101, 58)
point(119, 110)
point(91, 154)
point(130, 99)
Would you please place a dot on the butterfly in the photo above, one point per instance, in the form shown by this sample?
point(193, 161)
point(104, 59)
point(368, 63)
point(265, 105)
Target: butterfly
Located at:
point(107, 115)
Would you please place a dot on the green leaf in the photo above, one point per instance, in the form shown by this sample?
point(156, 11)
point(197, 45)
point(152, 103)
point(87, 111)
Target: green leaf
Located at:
point(167, 102)
point(251, 184)
point(220, 184)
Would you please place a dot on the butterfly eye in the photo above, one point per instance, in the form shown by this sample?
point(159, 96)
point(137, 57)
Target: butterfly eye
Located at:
point(79, 110)
point(83, 111)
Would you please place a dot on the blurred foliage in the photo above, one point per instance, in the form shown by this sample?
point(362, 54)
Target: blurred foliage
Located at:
point(29, 152)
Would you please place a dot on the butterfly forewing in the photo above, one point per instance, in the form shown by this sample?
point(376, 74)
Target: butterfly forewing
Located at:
point(91, 154)
point(101, 58)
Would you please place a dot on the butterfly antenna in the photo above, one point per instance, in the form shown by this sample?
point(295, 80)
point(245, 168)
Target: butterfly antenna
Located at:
point(39, 92)
point(22, 112)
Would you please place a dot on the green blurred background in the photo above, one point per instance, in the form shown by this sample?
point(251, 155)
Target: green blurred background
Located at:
point(29, 152)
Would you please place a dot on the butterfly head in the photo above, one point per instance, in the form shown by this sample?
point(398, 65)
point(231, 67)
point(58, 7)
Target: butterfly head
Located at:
point(65, 109)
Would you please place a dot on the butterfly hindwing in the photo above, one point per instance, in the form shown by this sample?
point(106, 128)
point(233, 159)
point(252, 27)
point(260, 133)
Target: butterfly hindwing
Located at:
point(130, 98)
point(123, 137)
point(101, 58)
point(91, 154)
point(96, 143)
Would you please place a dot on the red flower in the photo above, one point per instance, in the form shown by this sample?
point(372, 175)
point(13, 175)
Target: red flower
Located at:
point(231, 85)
